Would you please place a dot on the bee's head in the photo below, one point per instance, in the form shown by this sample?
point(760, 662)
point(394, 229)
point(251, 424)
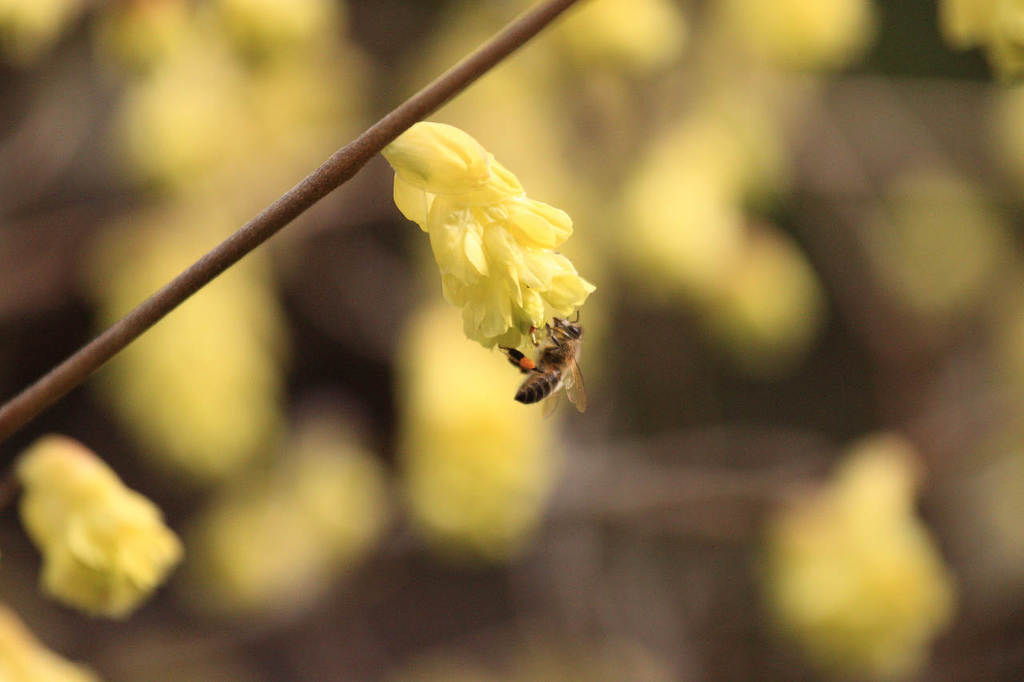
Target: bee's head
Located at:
point(573, 330)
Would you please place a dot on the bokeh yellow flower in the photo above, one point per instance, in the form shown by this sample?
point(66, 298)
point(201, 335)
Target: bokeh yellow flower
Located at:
point(966, 23)
point(477, 466)
point(939, 244)
point(277, 539)
point(639, 35)
point(852, 573)
point(802, 34)
point(998, 25)
point(770, 307)
point(201, 391)
point(686, 226)
point(204, 115)
point(491, 242)
point(105, 548)
point(29, 27)
point(23, 658)
point(185, 118)
point(138, 36)
point(1006, 51)
point(683, 204)
point(262, 28)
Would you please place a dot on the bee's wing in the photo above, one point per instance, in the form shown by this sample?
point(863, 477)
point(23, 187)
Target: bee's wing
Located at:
point(574, 387)
point(551, 404)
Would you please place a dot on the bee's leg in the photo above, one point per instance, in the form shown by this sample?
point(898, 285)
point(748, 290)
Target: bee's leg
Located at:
point(517, 359)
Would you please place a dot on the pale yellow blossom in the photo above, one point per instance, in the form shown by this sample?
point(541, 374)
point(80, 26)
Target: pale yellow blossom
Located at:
point(105, 548)
point(492, 243)
point(202, 390)
point(477, 466)
point(939, 244)
point(966, 23)
point(997, 25)
point(683, 203)
point(23, 658)
point(803, 34)
point(770, 306)
point(140, 35)
point(639, 35)
point(264, 27)
point(277, 539)
point(853, 574)
point(202, 119)
point(1006, 51)
point(185, 118)
point(29, 27)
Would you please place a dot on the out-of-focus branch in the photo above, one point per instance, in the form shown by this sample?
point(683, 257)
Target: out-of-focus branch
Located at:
point(341, 166)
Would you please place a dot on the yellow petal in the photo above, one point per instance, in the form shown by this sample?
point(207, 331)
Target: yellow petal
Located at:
point(413, 202)
point(439, 158)
point(536, 222)
point(474, 250)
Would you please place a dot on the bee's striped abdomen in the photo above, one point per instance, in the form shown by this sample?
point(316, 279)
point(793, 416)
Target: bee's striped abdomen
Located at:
point(539, 386)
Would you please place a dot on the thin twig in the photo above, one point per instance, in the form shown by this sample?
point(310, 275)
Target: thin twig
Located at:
point(345, 163)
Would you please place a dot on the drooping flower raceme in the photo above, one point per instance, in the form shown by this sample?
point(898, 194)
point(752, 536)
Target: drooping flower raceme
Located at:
point(492, 243)
point(105, 547)
point(853, 574)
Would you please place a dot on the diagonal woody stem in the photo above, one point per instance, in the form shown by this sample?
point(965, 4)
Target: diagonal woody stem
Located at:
point(339, 168)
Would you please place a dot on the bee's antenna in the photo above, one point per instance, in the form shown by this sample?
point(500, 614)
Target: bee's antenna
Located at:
point(577, 318)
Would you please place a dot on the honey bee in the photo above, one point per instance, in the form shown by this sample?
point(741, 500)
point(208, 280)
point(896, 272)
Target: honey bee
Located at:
point(556, 368)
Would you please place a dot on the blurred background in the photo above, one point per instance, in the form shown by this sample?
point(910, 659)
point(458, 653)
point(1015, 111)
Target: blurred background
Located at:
point(803, 456)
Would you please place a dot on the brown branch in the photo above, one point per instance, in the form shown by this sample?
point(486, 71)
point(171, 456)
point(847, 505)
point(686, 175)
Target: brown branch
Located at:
point(345, 163)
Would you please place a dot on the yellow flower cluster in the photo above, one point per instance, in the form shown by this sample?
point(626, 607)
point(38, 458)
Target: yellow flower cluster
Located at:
point(231, 88)
point(29, 27)
point(639, 35)
point(853, 575)
point(184, 118)
point(689, 237)
point(201, 391)
point(266, 27)
point(802, 34)
point(279, 538)
point(998, 25)
point(770, 306)
point(140, 35)
point(477, 466)
point(105, 548)
point(939, 244)
point(491, 242)
point(23, 658)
